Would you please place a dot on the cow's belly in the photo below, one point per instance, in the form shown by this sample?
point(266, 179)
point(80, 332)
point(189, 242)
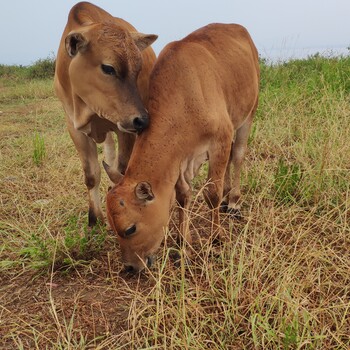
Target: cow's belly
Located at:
point(191, 165)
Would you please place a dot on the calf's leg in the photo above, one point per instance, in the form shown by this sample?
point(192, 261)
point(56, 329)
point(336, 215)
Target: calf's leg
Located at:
point(239, 148)
point(87, 151)
point(115, 167)
point(219, 156)
point(109, 150)
point(125, 146)
point(227, 185)
point(183, 193)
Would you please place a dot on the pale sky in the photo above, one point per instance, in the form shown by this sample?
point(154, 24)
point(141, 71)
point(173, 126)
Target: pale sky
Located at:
point(31, 29)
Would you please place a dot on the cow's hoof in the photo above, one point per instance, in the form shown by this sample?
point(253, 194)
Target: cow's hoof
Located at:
point(176, 259)
point(235, 214)
point(223, 207)
point(217, 242)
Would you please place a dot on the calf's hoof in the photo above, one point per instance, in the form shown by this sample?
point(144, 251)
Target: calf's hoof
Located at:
point(95, 219)
point(223, 207)
point(176, 259)
point(234, 213)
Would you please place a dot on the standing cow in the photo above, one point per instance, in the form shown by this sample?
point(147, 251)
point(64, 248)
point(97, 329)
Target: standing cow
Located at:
point(102, 81)
point(203, 96)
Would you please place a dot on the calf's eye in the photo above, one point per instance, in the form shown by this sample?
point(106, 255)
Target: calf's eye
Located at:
point(107, 69)
point(129, 231)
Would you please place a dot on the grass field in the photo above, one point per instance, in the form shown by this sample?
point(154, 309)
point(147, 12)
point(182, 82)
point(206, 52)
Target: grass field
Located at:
point(281, 280)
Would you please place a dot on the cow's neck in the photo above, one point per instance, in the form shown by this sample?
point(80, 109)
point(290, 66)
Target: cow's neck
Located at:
point(157, 157)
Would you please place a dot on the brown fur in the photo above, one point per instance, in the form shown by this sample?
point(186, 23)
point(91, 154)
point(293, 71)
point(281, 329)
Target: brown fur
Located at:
point(203, 95)
point(96, 103)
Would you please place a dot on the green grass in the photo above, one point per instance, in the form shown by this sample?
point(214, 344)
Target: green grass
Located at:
point(279, 281)
point(287, 178)
point(75, 248)
point(40, 69)
point(39, 150)
point(302, 116)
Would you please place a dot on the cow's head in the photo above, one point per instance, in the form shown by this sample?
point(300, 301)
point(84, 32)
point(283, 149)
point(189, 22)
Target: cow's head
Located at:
point(105, 63)
point(138, 217)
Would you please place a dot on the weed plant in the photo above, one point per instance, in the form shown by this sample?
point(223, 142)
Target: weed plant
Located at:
point(39, 150)
point(287, 178)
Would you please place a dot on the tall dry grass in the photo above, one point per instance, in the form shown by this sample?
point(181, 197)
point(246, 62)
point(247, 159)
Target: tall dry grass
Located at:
point(279, 281)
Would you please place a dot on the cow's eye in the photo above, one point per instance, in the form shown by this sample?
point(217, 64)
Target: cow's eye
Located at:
point(129, 231)
point(107, 69)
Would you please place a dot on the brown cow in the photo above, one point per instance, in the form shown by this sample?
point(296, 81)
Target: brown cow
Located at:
point(203, 95)
point(102, 81)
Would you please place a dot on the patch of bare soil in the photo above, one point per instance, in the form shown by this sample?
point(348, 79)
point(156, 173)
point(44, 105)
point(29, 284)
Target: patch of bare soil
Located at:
point(87, 300)
point(93, 302)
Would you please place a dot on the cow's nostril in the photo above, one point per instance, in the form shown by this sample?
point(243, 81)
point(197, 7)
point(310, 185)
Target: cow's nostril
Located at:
point(149, 261)
point(141, 123)
point(129, 269)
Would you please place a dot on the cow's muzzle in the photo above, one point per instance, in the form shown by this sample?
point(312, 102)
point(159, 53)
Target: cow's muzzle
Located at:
point(141, 123)
point(135, 125)
point(136, 269)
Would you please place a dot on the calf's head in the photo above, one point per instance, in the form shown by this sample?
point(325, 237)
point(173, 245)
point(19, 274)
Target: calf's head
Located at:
point(105, 63)
point(138, 216)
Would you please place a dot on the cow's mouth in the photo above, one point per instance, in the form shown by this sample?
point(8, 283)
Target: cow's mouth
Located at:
point(131, 269)
point(137, 125)
point(123, 129)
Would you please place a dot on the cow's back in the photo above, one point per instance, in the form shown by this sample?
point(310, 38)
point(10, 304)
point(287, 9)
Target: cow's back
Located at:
point(218, 62)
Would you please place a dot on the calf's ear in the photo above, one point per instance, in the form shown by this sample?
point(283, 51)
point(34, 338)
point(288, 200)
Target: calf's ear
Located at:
point(75, 42)
point(142, 41)
point(143, 191)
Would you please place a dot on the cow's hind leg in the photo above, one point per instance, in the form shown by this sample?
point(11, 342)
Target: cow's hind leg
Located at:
point(87, 151)
point(227, 185)
point(219, 156)
point(239, 147)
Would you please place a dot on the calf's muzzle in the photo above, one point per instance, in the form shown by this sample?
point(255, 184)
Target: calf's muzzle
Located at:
point(135, 269)
point(141, 123)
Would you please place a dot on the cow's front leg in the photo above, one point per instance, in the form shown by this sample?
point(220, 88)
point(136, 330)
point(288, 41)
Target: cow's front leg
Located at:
point(87, 151)
point(184, 238)
point(183, 193)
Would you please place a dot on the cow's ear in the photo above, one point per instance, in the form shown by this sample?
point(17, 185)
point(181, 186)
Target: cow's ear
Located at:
point(75, 42)
point(142, 41)
point(143, 191)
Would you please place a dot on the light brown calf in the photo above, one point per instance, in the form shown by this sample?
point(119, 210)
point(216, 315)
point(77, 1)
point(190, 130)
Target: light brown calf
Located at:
point(102, 80)
point(203, 95)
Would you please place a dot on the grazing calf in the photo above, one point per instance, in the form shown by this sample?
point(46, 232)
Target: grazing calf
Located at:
point(203, 95)
point(102, 81)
